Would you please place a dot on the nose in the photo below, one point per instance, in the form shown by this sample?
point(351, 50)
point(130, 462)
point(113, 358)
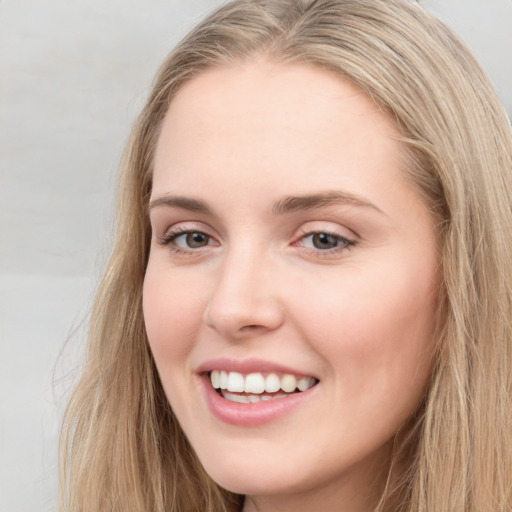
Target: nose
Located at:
point(245, 300)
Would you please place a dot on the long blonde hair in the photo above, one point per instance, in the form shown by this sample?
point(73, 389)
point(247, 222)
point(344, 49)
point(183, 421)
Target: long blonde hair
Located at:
point(122, 448)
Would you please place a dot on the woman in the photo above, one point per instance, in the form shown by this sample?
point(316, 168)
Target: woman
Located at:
point(308, 304)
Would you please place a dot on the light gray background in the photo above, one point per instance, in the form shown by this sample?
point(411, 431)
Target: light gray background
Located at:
point(73, 75)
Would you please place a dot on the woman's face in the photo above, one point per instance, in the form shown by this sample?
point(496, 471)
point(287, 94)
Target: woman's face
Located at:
point(288, 251)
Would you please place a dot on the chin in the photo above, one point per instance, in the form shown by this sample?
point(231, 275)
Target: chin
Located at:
point(240, 477)
point(255, 484)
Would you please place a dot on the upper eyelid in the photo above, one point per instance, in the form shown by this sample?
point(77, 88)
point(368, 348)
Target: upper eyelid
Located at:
point(325, 232)
point(330, 227)
point(189, 227)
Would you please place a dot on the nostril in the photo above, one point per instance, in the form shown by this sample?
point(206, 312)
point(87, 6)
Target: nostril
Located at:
point(252, 327)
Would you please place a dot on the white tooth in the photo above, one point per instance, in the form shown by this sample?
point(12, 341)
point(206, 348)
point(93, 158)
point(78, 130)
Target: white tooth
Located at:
point(253, 398)
point(304, 383)
point(235, 382)
point(265, 398)
point(241, 399)
point(272, 383)
point(254, 383)
point(288, 383)
point(223, 380)
point(215, 378)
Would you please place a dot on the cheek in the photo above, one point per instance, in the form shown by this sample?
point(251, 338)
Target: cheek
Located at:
point(374, 330)
point(172, 314)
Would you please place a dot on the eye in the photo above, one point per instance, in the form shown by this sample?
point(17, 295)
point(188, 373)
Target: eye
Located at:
point(324, 243)
point(186, 241)
point(193, 240)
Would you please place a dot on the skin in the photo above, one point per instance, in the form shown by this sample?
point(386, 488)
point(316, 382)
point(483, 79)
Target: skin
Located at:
point(359, 316)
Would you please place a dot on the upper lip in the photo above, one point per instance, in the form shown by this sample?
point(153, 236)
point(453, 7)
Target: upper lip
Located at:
point(246, 366)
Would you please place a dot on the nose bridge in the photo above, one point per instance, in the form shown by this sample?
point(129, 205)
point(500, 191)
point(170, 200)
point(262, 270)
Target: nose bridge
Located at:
point(245, 297)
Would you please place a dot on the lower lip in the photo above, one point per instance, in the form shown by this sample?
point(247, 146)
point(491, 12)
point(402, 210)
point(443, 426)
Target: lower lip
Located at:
point(252, 414)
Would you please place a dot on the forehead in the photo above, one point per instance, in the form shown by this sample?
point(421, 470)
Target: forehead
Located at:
point(265, 122)
point(263, 91)
point(264, 84)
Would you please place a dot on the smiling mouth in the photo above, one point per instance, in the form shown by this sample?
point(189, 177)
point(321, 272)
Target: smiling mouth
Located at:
point(258, 387)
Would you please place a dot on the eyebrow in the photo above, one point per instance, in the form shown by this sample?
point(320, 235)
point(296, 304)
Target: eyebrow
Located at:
point(185, 203)
point(285, 205)
point(321, 200)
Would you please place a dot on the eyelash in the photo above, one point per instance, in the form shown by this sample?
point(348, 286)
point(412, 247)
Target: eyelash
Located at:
point(344, 244)
point(171, 236)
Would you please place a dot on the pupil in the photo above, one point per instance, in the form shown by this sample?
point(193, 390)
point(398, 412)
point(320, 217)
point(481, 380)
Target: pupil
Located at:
point(324, 241)
point(195, 240)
